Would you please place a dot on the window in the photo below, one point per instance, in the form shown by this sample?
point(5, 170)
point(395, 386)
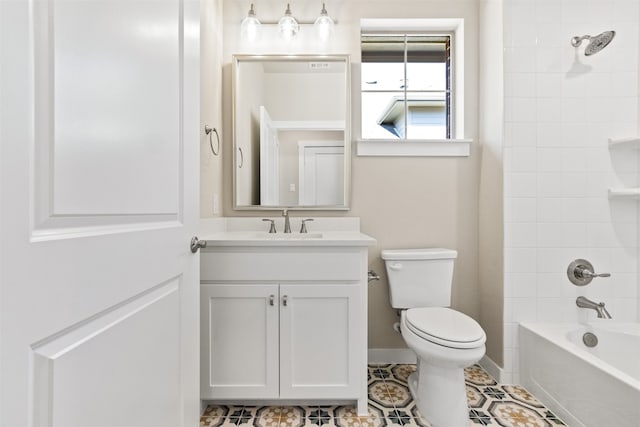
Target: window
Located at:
point(406, 86)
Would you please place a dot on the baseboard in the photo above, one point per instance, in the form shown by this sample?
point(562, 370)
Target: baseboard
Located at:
point(380, 356)
point(493, 369)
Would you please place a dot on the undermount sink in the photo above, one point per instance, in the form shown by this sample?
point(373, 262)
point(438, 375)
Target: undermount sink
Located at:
point(287, 236)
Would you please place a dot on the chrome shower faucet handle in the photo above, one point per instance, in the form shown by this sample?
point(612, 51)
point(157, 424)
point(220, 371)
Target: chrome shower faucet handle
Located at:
point(580, 272)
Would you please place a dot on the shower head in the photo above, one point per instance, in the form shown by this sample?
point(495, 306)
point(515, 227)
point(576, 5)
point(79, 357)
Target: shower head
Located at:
point(596, 43)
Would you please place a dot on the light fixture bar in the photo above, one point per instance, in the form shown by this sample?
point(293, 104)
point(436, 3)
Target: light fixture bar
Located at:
point(288, 25)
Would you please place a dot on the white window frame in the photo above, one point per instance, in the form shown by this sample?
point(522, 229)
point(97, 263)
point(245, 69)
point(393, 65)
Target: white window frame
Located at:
point(458, 146)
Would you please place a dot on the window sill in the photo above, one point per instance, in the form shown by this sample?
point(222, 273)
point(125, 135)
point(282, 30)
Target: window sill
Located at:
point(415, 148)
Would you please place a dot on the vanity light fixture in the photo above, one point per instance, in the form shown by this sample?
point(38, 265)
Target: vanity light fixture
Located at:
point(324, 24)
point(249, 25)
point(288, 25)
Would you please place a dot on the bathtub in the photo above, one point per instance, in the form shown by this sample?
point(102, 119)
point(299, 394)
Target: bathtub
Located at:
point(591, 387)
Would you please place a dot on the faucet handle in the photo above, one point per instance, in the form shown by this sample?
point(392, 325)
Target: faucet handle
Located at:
point(272, 228)
point(588, 273)
point(580, 272)
point(303, 227)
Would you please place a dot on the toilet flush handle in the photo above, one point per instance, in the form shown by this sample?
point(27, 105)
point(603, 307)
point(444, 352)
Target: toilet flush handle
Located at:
point(396, 266)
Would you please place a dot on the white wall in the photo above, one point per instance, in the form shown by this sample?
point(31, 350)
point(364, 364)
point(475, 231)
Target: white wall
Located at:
point(491, 203)
point(210, 105)
point(560, 109)
point(320, 96)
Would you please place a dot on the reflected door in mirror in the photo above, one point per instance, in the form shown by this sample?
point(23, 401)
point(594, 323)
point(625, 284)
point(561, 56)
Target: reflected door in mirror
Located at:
point(291, 122)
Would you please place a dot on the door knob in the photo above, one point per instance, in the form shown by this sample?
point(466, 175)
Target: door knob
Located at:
point(197, 244)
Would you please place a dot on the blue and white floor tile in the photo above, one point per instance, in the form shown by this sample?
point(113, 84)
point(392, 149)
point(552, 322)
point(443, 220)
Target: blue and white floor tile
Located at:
point(390, 405)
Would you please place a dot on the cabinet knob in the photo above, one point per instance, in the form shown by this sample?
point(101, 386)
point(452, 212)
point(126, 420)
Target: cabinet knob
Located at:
point(285, 300)
point(272, 299)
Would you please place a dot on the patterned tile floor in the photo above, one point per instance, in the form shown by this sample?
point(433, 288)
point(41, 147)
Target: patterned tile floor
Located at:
point(391, 405)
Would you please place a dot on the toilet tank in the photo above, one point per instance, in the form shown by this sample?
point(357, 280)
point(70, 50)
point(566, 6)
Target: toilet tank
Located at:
point(419, 277)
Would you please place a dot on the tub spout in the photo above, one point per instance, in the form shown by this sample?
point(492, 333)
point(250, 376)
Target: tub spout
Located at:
point(583, 302)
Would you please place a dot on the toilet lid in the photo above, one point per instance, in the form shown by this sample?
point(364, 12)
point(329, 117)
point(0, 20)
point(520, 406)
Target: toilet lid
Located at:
point(445, 326)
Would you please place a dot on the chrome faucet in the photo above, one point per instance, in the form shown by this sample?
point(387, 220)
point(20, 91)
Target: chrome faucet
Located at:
point(583, 302)
point(287, 224)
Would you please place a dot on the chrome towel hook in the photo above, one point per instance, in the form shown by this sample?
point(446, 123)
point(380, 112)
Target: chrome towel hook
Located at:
point(208, 130)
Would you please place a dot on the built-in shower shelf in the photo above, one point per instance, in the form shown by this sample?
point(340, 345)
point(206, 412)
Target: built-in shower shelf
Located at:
point(624, 193)
point(631, 142)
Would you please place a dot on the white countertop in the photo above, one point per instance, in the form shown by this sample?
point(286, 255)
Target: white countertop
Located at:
point(221, 232)
point(323, 238)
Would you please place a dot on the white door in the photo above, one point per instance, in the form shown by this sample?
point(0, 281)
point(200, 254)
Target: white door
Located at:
point(320, 315)
point(321, 173)
point(239, 341)
point(269, 161)
point(99, 126)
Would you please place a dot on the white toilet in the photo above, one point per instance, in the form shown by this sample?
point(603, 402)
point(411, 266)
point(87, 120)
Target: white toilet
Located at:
point(444, 340)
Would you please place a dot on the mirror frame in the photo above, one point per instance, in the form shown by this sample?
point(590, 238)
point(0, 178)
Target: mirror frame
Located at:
point(237, 59)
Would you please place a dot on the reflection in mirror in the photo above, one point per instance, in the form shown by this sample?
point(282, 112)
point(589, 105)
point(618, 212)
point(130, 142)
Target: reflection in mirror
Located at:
point(291, 131)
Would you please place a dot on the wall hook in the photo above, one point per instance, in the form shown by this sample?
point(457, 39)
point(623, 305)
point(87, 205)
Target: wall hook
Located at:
point(241, 158)
point(208, 130)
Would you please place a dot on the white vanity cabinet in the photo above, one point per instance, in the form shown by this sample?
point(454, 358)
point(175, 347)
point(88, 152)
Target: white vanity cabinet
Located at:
point(319, 341)
point(284, 322)
point(281, 341)
point(239, 341)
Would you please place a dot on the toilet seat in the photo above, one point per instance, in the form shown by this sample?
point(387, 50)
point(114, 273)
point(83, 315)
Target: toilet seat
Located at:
point(445, 327)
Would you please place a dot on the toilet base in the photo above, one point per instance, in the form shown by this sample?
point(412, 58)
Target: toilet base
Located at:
point(440, 395)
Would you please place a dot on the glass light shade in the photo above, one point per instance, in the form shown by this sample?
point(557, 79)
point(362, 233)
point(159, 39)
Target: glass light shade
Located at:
point(288, 25)
point(324, 26)
point(249, 25)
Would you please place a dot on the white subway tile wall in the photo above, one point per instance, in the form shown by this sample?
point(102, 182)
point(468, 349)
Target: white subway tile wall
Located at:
point(561, 107)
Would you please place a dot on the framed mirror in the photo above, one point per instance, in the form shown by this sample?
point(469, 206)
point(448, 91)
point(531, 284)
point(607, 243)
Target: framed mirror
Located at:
point(291, 132)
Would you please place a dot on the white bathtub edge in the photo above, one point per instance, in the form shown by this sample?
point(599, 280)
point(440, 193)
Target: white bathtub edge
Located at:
point(569, 380)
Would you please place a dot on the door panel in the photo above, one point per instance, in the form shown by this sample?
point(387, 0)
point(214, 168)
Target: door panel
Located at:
point(107, 142)
point(82, 358)
point(99, 182)
point(321, 180)
point(318, 341)
point(269, 161)
point(104, 75)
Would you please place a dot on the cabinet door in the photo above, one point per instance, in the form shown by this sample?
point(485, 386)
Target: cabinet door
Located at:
point(318, 344)
point(239, 357)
